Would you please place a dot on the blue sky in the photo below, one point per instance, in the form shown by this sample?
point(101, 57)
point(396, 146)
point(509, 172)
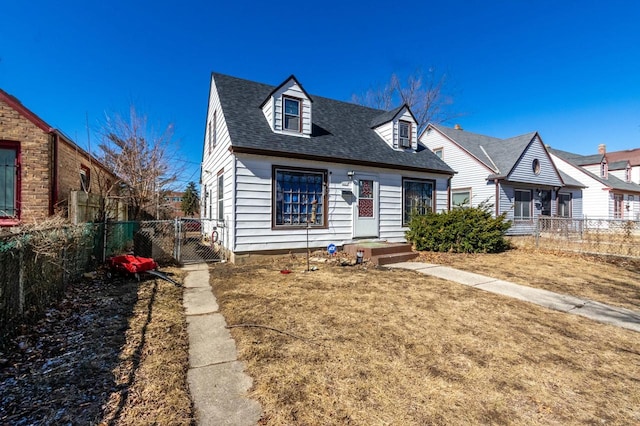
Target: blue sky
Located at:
point(568, 69)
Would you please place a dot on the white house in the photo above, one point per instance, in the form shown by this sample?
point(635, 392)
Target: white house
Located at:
point(515, 175)
point(608, 194)
point(282, 169)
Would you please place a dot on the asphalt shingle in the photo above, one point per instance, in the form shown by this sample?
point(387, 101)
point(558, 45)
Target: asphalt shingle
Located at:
point(341, 132)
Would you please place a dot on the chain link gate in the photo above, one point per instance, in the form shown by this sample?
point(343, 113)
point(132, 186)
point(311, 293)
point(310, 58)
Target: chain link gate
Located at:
point(184, 240)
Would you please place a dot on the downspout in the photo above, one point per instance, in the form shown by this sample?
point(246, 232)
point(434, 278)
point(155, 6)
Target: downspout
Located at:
point(53, 187)
point(497, 185)
point(449, 193)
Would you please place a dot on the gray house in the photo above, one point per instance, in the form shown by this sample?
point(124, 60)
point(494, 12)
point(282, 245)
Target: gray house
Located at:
point(516, 175)
point(282, 169)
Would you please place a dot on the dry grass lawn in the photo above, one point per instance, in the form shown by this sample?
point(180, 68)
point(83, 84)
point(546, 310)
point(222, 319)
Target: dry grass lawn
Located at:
point(154, 361)
point(614, 281)
point(372, 346)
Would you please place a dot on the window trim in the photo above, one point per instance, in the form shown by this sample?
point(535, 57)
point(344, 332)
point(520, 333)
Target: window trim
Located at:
point(560, 194)
point(325, 196)
point(409, 133)
point(17, 197)
point(220, 194)
point(531, 213)
point(459, 190)
point(618, 201)
point(604, 169)
point(435, 151)
point(215, 128)
point(284, 114)
point(86, 171)
point(405, 221)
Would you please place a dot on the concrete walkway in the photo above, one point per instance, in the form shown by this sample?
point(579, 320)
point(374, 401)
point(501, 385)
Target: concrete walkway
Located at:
point(217, 381)
point(620, 317)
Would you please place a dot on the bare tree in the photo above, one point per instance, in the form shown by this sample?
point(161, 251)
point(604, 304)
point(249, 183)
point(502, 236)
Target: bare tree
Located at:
point(425, 93)
point(141, 159)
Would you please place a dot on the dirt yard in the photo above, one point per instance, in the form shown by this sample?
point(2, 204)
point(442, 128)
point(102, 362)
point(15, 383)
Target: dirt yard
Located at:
point(362, 345)
point(110, 353)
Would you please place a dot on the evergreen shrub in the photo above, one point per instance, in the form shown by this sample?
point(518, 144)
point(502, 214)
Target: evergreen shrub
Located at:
point(460, 230)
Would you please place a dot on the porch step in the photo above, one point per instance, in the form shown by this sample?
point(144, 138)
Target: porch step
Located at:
point(380, 252)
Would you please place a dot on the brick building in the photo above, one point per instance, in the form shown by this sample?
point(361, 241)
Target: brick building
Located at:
point(41, 168)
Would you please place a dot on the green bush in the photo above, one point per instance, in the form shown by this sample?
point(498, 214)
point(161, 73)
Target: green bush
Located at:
point(460, 230)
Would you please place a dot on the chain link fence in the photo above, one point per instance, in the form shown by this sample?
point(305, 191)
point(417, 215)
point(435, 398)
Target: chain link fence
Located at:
point(166, 241)
point(595, 236)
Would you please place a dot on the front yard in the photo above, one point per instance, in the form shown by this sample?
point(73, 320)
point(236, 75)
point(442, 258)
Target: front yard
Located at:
point(374, 346)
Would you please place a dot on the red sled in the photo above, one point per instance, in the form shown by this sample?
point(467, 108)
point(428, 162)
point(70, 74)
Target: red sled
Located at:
point(132, 264)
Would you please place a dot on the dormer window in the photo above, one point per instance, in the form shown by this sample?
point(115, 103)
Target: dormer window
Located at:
point(604, 169)
point(292, 117)
point(404, 134)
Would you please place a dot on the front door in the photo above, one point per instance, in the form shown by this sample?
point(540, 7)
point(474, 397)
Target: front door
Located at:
point(365, 223)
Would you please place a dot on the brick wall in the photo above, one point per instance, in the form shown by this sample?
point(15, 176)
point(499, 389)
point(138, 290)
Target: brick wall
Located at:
point(35, 149)
point(37, 174)
point(71, 160)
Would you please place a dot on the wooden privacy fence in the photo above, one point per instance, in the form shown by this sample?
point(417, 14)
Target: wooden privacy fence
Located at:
point(595, 236)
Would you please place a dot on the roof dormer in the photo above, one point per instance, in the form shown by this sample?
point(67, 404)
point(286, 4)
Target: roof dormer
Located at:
point(288, 109)
point(398, 128)
point(604, 168)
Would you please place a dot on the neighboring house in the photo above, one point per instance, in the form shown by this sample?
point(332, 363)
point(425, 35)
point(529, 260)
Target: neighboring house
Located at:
point(610, 192)
point(41, 169)
point(515, 175)
point(283, 170)
point(173, 204)
point(632, 159)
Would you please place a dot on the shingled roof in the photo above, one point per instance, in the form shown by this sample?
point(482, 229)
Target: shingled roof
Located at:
point(341, 132)
point(499, 155)
point(611, 181)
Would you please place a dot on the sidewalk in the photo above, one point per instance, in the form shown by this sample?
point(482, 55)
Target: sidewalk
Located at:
point(620, 317)
point(216, 378)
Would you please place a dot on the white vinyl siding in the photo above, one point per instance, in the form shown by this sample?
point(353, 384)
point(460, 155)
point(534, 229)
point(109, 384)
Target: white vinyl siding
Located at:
point(470, 172)
point(219, 158)
point(390, 132)
point(254, 204)
point(290, 90)
point(595, 196)
point(385, 131)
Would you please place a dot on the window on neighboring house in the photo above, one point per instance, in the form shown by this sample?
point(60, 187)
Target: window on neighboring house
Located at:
point(439, 152)
point(627, 174)
point(461, 198)
point(85, 178)
point(604, 169)
point(404, 134)
point(220, 196)
point(564, 205)
point(298, 194)
point(522, 205)
point(417, 197)
point(292, 116)
point(210, 136)
point(9, 180)
point(618, 201)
